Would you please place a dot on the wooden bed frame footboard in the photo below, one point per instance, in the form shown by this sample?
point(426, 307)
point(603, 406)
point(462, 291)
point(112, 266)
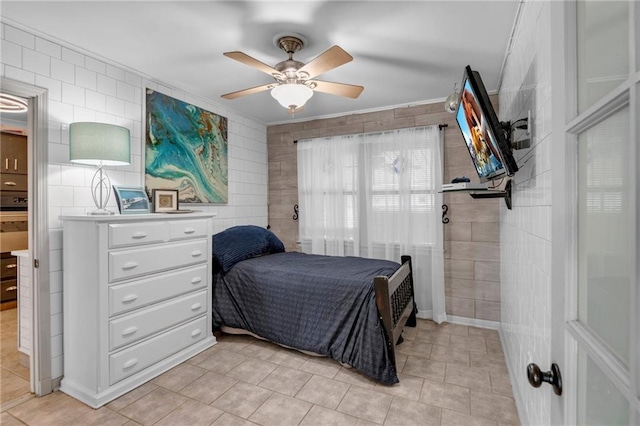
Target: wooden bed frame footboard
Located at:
point(395, 301)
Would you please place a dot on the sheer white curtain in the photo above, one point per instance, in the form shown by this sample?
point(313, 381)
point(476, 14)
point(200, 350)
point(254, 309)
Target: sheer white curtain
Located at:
point(327, 194)
point(376, 195)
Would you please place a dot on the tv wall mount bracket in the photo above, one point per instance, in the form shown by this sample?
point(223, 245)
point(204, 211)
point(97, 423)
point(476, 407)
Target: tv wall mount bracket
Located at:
point(523, 124)
point(495, 193)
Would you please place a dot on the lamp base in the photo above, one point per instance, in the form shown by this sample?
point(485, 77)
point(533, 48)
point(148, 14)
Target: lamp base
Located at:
point(101, 212)
point(100, 191)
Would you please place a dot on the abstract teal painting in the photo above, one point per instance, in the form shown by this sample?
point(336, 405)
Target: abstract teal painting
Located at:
point(185, 149)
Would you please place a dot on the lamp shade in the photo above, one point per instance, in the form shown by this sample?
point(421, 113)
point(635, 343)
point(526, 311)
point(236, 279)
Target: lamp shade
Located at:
point(99, 144)
point(291, 95)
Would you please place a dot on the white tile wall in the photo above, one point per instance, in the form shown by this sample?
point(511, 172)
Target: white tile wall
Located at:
point(24, 304)
point(525, 237)
point(83, 88)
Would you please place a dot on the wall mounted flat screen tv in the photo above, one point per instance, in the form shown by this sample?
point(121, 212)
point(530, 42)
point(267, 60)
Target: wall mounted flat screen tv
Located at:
point(483, 133)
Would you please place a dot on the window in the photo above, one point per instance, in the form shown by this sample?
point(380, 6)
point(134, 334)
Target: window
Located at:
point(359, 187)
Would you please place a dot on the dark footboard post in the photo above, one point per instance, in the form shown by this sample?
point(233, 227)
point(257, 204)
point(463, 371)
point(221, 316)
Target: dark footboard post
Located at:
point(381, 286)
point(396, 304)
point(411, 321)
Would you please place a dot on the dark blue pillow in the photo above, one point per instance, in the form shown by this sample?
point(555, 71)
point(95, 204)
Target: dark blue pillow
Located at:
point(243, 242)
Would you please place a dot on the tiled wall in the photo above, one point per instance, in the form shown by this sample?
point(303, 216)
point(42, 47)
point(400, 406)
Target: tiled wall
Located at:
point(525, 231)
point(24, 304)
point(472, 259)
point(83, 88)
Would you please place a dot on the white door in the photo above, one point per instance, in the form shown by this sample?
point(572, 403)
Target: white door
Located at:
point(596, 314)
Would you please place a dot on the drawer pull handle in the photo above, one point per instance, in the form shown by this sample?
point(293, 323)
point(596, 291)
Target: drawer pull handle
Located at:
point(196, 280)
point(10, 183)
point(189, 230)
point(129, 331)
point(12, 266)
point(15, 164)
point(129, 298)
point(6, 164)
point(196, 306)
point(130, 363)
point(139, 235)
point(12, 288)
point(196, 332)
point(130, 265)
point(196, 253)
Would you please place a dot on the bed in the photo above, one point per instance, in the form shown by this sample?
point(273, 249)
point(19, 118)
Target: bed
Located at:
point(351, 309)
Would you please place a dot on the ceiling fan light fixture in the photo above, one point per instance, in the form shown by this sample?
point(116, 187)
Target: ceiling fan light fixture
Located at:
point(294, 85)
point(12, 104)
point(291, 95)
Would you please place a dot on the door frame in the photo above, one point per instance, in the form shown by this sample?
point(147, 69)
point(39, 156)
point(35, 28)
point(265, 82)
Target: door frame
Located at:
point(563, 211)
point(38, 216)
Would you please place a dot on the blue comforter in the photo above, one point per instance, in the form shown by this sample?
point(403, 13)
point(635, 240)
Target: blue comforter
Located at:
point(323, 304)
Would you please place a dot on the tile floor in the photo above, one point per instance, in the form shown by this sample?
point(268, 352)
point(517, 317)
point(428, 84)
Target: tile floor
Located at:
point(450, 375)
point(14, 377)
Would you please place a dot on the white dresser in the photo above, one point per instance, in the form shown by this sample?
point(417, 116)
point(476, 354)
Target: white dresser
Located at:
point(136, 299)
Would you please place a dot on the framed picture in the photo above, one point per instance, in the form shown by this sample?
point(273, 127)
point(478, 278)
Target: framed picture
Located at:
point(165, 200)
point(186, 149)
point(131, 199)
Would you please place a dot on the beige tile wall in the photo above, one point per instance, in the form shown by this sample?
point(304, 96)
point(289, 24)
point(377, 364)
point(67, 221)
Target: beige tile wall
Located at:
point(472, 236)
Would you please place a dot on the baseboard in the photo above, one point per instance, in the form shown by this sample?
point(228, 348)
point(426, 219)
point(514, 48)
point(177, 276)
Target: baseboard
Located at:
point(515, 389)
point(55, 383)
point(494, 325)
point(425, 314)
point(11, 304)
point(24, 359)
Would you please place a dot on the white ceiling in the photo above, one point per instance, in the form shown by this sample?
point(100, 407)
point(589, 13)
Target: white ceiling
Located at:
point(404, 52)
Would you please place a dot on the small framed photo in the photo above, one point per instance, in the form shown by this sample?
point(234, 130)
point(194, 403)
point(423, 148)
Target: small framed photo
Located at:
point(165, 200)
point(131, 199)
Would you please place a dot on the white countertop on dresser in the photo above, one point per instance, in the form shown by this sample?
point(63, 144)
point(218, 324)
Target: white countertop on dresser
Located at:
point(136, 217)
point(20, 253)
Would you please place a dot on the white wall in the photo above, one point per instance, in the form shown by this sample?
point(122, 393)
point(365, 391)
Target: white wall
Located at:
point(525, 231)
point(82, 87)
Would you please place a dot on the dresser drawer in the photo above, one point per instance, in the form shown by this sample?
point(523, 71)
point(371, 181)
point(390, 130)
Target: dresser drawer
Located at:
point(9, 267)
point(133, 295)
point(146, 322)
point(13, 182)
point(188, 229)
point(8, 290)
point(146, 260)
point(132, 234)
point(131, 360)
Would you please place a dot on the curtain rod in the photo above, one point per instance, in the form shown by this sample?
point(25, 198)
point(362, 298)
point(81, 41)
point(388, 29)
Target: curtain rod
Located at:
point(440, 127)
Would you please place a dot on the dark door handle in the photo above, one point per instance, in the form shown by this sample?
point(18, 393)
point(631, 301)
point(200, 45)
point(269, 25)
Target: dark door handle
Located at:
point(553, 377)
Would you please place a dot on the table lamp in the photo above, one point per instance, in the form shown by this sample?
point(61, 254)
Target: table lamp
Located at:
point(99, 144)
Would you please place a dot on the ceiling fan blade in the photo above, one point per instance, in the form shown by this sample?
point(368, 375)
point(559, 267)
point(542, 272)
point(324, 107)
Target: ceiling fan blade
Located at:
point(253, 62)
point(250, 91)
point(340, 89)
point(328, 60)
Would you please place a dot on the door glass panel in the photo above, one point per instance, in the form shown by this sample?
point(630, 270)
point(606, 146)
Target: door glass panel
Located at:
point(599, 401)
point(601, 25)
point(604, 210)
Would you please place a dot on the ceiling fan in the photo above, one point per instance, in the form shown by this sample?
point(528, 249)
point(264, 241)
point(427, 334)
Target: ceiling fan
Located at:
point(294, 81)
